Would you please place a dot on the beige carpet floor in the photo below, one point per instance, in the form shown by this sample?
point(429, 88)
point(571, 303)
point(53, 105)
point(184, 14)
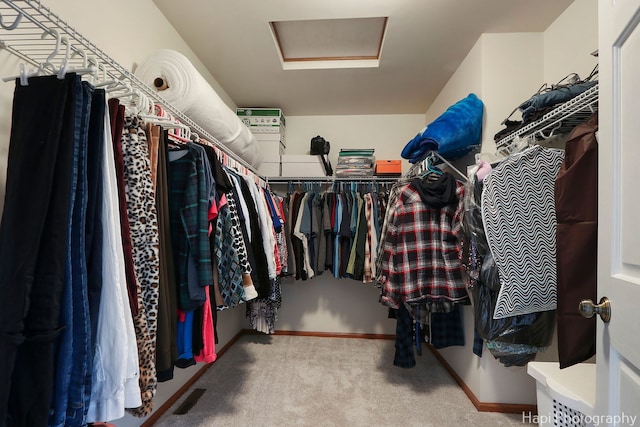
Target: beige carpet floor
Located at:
point(313, 381)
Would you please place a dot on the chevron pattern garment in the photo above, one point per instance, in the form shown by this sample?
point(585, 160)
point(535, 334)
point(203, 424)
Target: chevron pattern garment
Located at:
point(518, 211)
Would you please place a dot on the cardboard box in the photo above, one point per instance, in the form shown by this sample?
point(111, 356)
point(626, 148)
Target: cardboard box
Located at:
point(302, 165)
point(262, 120)
point(388, 167)
point(268, 169)
point(271, 150)
point(270, 137)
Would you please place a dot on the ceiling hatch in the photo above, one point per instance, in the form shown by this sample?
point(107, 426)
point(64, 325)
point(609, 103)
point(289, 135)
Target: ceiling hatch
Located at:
point(329, 43)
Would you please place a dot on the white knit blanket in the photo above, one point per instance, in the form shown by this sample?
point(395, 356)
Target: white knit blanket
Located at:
point(190, 93)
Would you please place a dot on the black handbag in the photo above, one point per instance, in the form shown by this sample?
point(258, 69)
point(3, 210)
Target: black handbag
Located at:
point(321, 147)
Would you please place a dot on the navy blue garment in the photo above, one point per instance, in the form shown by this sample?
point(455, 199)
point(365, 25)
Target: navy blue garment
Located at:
point(64, 345)
point(81, 356)
point(33, 236)
point(551, 98)
point(478, 343)
point(447, 329)
point(277, 224)
point(73, 381)
point(94, 237)
point(404, 356)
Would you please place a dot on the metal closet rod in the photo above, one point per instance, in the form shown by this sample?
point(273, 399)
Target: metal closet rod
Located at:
point(40, 16)
point(330, 179)
point(423, 165)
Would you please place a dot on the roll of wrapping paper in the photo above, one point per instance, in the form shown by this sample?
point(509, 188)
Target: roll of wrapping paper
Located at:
point(188, 91)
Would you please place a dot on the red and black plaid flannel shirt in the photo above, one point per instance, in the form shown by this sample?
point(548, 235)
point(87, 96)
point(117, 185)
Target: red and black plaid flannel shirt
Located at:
point(420, 253)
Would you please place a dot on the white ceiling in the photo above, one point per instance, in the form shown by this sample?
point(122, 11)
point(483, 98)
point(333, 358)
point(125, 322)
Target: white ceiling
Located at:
point(426, 40)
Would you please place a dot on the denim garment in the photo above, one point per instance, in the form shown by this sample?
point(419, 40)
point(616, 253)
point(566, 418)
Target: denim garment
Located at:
point(80, 385)
point(33, 237)
point(551, 98)
point(65, 343)
point(94, 230)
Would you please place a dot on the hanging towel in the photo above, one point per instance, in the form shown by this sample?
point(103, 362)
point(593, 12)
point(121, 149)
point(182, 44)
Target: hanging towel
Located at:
point(190, 93)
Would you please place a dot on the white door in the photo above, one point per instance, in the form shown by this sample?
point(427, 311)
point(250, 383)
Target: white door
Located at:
point(618, 351)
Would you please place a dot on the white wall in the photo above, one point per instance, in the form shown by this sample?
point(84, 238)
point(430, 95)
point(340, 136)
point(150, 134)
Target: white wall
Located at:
point(326, 304)
point(513, 71)
point(388, 134)
point(574, 32)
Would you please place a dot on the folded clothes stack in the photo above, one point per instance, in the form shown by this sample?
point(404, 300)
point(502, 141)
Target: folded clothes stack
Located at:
point(356, 162)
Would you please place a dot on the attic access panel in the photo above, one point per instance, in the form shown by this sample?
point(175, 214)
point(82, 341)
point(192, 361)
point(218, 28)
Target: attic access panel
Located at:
point(330, 43)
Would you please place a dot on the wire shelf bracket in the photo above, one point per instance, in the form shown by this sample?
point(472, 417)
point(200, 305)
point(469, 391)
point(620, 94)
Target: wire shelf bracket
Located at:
point(24, 26)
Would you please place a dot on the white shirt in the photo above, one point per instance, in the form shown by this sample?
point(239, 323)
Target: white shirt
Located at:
point(115, 363)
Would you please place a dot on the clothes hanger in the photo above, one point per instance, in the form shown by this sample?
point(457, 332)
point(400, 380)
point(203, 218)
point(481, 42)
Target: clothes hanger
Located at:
point(86, 68)
point(451, 166)
point(43, 66)
point(62, 71)
point(551, 132)
point(139, 103)
point(11, 26)
point(117, 85)
point(97, 79)
point(93, 78)
point(430, 169)
point(593, 73)
point(167, 121)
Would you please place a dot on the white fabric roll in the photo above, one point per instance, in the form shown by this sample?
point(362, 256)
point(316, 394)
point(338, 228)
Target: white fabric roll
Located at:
point(190, 93)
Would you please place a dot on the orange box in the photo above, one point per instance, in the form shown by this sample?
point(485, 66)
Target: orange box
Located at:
point(388, 167)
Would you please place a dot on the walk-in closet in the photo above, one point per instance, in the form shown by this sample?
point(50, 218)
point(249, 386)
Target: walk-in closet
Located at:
point(319, 213)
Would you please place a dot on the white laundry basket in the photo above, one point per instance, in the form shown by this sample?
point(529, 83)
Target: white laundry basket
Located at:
point(565, 397)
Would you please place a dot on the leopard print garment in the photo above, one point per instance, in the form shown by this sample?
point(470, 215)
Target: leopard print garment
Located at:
point(141, 209)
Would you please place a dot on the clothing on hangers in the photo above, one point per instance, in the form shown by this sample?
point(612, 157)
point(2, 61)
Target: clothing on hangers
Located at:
point(426, 215)
point(528, 224)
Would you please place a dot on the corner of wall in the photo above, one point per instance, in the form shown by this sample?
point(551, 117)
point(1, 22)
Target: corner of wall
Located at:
point(503, 70)
point(466, 79)
point(575, 31)
point(512, 66)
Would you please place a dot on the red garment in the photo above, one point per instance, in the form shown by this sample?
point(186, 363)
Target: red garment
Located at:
point(208, 352)
point(116, 113)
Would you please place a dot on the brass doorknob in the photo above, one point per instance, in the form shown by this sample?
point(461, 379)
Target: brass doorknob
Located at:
point(588, 309)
